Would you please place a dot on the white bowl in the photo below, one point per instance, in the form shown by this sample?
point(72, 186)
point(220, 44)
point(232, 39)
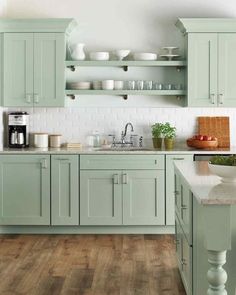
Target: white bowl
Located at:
point(144, 56)
point(227, 173)
point(122, 53)
point(99, 55)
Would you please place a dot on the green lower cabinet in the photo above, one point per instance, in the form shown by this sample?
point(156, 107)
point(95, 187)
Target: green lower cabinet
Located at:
point(143, 197)
point(25, 190)
point(100, 197)
point(171, 190)
point(65, 190)
point(184, 257)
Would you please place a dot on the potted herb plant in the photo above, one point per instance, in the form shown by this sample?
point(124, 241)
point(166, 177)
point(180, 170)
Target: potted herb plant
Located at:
point(169, 133)
point(157, 129)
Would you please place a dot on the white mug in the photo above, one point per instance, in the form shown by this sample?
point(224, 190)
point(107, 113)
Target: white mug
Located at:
point(108, 84)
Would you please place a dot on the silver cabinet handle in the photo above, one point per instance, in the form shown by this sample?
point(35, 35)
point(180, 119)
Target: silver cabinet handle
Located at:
point(36, 98)
point(176, 241)
point(28, 98)
point(62, 159)
point(44, 164)
point(184, 207)
point(124, 178)
point(221, 98)
point(183, 262)
point(176, 159)
point(116, 179)
point(176, 193)
point(213, 98)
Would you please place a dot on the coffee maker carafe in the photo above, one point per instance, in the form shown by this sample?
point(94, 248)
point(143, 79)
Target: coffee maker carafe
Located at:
point(18, 129)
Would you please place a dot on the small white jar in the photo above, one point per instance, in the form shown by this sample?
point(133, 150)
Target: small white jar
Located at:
point(108, 84)
point(55, 140)
point(40, 140)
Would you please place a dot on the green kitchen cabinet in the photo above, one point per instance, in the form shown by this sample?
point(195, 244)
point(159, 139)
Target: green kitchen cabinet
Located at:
point(65, 189)
point(211, 46)
point(129, 197)
point(25, 190)
point(100, 197)
point(34, 69)
point(143, 197)
point(171, 191)
point(1, 67)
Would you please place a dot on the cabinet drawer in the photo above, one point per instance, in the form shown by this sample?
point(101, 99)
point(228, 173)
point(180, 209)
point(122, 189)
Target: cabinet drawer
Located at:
point(100, 162)
point(183, 206)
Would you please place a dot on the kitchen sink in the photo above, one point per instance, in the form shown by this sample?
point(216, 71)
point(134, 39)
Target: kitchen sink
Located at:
point(124, 149)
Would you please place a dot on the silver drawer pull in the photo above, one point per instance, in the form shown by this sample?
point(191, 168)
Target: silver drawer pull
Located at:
point(124, 178)
point(212, 98)
point(183, 262)
point(176, 193)
point(184, 207)
point(44, 164)
point(176, 159)
point(61, 159)
point(116, 179)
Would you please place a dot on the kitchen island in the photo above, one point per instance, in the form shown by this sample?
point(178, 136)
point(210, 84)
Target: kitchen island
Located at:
point(205, 214)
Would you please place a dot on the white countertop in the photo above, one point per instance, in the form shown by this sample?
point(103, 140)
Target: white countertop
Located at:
point(179, 149)
point(207, 188)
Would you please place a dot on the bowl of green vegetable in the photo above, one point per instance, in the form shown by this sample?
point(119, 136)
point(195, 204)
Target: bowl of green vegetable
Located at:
point(224, 167)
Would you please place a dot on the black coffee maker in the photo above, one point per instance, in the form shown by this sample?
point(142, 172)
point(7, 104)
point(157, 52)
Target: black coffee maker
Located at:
point(18, 129)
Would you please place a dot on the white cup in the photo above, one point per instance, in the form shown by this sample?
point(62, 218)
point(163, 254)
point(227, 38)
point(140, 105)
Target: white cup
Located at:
point(41, 140)
point(55, 140)
point(118, 85)
point(108, 84)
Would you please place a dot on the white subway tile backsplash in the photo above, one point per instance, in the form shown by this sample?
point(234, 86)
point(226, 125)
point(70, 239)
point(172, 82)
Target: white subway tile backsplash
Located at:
point(75, 124)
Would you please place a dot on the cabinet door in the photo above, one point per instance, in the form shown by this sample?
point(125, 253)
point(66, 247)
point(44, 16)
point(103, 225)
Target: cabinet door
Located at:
point(186, 265)
point(227, 66)
point(202, 69)
point(65, 190)
point(100, 197)
point(143, 197)
point(170, 185)
point(25, 190)
point(1, 67)
point(18, 69)
point(49, 69)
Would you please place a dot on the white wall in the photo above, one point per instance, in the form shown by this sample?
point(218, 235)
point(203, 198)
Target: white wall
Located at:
point(109, 24)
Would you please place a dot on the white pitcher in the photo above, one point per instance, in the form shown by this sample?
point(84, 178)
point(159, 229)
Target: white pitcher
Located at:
point(77, 51)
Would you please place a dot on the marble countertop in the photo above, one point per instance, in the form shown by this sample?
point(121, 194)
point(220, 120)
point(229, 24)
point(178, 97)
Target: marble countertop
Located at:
point(207, 188)
point(179, 149)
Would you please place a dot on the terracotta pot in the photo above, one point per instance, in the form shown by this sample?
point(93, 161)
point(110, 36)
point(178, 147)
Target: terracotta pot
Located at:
point(157, 143)
point(169, 143)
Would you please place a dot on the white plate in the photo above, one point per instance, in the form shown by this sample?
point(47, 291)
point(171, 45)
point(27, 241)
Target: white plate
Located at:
point(169, 56)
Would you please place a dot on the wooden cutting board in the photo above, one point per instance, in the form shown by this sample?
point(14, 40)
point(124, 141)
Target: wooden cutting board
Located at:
point(215, 126)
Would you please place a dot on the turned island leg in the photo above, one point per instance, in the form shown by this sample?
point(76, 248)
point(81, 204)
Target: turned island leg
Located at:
point(216, 275)
point(217, 241)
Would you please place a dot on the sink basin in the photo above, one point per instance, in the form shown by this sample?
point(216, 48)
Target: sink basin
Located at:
point(124, 149)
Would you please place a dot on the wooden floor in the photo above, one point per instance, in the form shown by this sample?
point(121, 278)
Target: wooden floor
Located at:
point(89, 265)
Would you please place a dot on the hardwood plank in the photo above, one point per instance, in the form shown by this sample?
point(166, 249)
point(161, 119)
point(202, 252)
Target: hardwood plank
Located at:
point(89, 265)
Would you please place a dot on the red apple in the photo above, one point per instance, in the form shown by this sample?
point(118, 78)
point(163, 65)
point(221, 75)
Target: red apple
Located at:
point(206, 137)
point(199, 137)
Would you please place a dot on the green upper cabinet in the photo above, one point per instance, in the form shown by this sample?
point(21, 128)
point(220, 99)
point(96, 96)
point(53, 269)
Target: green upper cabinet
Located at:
point(202, 70)
point(33, 57)
point(25, 190)
point(65, 189)
point(34, 69)
point(211, 46)
point(143, 197)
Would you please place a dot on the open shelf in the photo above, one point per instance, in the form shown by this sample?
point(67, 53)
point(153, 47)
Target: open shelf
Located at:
point(125, 63)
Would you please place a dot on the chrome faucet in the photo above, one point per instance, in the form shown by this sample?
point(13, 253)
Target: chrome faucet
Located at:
point(123, 134)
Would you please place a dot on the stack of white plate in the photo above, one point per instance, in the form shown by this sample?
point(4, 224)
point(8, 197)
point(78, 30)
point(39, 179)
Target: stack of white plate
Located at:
point(79, 85)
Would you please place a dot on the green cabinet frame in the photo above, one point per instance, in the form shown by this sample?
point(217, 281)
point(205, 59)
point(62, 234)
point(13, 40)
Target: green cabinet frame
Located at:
point(25, 190)
point(34, 72)
point(65, 190)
